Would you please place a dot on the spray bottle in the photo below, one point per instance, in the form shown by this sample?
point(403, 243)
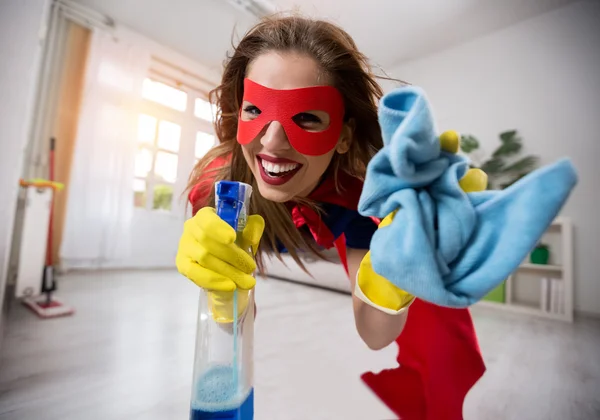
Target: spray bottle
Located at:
point(222, 385)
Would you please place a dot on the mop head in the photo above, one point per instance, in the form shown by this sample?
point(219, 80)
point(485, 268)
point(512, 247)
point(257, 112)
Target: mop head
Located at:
point(44, 309)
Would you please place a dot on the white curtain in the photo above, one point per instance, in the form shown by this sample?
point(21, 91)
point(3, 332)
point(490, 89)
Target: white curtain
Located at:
point(100, 196)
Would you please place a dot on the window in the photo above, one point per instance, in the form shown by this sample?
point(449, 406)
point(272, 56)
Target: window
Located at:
point(204, 142)
point(164, 95)
point(174, 131)
point(139, 189)
point(204, 110)
point(158, 148)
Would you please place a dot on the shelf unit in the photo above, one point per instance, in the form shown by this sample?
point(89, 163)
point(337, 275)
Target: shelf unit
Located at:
point(552, 283)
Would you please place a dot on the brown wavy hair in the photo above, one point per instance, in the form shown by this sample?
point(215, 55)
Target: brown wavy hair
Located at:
point(347, 69)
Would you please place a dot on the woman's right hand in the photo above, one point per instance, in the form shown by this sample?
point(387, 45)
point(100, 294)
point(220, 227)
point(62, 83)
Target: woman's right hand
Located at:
point(209, 256)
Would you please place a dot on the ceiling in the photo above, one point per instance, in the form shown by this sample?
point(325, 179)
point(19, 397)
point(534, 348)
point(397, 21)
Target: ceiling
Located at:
point(387, 31)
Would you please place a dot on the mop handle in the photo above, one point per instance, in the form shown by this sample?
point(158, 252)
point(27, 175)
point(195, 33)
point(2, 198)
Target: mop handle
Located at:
point(50, 221)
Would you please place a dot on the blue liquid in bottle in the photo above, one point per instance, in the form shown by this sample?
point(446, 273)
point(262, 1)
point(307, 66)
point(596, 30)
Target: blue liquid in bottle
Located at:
point(216, 397)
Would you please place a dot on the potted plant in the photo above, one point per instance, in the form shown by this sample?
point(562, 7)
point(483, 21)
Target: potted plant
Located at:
point(505, 166)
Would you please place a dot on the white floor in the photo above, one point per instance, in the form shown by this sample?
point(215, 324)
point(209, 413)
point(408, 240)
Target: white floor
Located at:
point(127, 354)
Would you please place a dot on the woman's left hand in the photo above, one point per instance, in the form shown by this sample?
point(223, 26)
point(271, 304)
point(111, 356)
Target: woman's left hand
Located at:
point(378, 290)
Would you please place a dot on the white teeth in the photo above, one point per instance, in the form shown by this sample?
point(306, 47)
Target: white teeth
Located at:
point(278, 168)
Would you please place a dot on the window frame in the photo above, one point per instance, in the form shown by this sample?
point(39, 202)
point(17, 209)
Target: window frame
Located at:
point(186, 156)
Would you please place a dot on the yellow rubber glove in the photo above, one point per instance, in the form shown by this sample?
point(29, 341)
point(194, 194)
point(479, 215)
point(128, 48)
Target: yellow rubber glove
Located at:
point(209, 256)
point(377, 289)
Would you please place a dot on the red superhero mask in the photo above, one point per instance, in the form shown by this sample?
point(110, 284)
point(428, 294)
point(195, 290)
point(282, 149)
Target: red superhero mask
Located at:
point(284, 105)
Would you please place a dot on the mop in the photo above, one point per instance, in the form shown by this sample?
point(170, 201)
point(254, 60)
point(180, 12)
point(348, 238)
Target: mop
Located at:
point(46, 305)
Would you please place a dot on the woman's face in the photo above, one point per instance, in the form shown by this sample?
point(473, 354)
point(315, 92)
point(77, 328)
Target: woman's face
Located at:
point(281, 172)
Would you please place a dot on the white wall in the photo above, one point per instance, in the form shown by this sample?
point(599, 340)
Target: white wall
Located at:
point(20, 48)
point(541, 77)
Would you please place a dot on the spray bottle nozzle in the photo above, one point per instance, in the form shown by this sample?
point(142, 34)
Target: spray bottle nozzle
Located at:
point(230, 199)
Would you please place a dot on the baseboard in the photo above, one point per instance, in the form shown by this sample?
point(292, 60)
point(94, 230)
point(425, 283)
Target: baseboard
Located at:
point(80, 270)
point(586, 314)
point(313, 285)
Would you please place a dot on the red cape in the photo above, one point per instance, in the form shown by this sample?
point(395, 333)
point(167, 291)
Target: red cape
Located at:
point(439, 356)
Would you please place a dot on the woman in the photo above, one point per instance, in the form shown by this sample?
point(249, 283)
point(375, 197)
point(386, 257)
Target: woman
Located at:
point(297, 121)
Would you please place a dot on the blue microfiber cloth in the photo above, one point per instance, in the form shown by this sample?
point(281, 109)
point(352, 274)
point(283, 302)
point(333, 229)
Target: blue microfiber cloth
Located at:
point(446, 246)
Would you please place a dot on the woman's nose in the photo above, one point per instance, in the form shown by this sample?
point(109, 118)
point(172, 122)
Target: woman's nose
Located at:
point(275, 138)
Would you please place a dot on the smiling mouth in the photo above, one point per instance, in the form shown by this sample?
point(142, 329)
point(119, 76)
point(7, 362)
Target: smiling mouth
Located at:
point(277, 171)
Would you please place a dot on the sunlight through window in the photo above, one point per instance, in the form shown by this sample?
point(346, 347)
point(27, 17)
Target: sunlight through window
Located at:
point(205, 110)
point(143, 163)
point(165, 167)
point(164, 95)
point(204, 142)
point(168, 136)
point(146, 129)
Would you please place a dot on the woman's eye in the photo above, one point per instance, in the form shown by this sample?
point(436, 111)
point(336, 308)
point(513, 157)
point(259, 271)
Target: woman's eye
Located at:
point(307, 119)
point(252, 110)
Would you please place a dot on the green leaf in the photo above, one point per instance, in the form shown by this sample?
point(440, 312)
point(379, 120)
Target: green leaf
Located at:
point(507, 136)
point(523, 165)
point(492, 167)
point(507, 149)
point(511, 144)
point(468, 143)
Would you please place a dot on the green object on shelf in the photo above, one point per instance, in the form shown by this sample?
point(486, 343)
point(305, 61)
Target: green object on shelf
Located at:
point(540, 255)
point(498, 294)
